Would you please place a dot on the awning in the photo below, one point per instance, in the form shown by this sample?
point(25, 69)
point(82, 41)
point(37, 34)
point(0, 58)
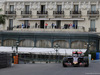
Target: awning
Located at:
point(34, 19)
point(68, 19)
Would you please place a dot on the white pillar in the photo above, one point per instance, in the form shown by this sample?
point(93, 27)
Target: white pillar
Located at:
point(14, 6)
point(79, 5)
point(30, 6)
point(55, 6)
point(89, 6)
point(62, 6)
point(89, 58)
point(38, 5)
point(23, 5)
point(7, 6)
point(97, 5)
point(71, 6)
point(46, 5)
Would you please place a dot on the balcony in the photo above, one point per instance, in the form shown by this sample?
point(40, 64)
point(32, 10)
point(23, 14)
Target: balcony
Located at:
point(10, 13)
point(75, 14)
point(93, 14)
point(49, 29)
point(58, 13)
point(26, 13)
point(42, 14)
point(92, 29)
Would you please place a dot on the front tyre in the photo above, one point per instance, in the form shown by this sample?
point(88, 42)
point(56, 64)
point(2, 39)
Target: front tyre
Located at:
point(86, 61)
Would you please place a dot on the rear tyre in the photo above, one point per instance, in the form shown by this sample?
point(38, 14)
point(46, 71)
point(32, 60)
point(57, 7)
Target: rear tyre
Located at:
point(87, 64)
point(64, 65)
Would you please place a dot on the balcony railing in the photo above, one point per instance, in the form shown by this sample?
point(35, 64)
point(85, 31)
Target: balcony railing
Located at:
point(92, 29)
point(9, 28)
point(26, 12)
point(42, 12)
point(92, 12)
point(75, 12)
point(58, 12)
point(48, 28)
point(10, 12)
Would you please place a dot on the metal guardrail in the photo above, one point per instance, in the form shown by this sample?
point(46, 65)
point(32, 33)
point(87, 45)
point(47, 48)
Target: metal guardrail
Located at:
point(33, 58)
point(42, 12)
point(92, 29)
point(92, 12)
point(26, 12)
point(75, 12)
point(50, 28)
point(5, 60)
point(58, 12)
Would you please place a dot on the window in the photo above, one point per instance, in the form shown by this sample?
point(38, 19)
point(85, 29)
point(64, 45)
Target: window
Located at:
point(10, 24)
point(92, 24)
point(26, 7)
point(75, 7)
point(11, 7)
point(93, 7)
point(42, 8)
point(59, 8)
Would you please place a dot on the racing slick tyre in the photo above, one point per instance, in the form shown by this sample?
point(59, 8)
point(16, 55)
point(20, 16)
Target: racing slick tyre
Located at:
point(87, 64)
point(86, 61)
point(64, 65)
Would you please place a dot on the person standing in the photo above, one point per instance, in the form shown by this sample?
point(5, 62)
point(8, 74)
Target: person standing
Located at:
point(55, 26)
point(22, 25)
point(52, 25)
point(70, 26)
point(36, 25)
point(46, 25)
point(74, 26)
point(28, 25)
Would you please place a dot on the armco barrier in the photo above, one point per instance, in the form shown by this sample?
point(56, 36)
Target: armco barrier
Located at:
point(5, 60)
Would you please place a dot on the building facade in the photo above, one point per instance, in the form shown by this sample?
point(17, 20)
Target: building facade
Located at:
point(43, 23)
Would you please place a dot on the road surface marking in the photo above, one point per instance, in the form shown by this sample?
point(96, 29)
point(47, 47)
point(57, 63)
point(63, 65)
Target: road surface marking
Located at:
point(92, 73)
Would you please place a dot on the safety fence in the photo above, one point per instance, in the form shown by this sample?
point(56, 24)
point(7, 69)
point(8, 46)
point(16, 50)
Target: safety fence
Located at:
point(35, 58)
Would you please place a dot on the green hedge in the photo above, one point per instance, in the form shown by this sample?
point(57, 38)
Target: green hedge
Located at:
point(93, 54)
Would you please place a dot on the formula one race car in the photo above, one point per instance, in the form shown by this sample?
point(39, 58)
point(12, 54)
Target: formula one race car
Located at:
point(77, 59)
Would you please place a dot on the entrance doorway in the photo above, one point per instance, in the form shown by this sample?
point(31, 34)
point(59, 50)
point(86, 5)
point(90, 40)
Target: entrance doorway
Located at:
point(42, 24)
point(58, 24)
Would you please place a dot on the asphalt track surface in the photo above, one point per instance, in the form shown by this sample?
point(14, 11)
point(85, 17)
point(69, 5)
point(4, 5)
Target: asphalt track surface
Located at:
point(51, 69)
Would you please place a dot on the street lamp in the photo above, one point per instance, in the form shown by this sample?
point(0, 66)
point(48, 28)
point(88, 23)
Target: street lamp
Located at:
point(15, 51)
point(17, 44)
point(88, 46)
point(56, 47)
